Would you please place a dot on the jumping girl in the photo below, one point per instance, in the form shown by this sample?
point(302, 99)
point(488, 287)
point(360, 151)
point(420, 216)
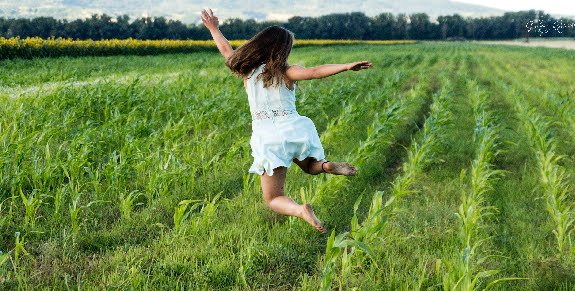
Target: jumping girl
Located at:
point(279, 134)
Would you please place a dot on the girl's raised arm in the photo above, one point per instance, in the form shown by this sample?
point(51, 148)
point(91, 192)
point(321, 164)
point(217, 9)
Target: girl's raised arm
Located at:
point(298, 73)
point(211, 22)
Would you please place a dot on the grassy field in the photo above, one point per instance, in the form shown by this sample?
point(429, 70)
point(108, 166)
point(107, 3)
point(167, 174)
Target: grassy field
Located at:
point(130, 172)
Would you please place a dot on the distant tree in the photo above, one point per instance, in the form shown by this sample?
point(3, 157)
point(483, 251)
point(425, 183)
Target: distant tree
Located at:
point(507, 26)
point(470, 28)
point(382, 26)
point(235, 28)
point(4, 24)
point(523, 21)
point(109, 27)
point(177, 30)
point(420, 26)
point(342, 26)
point(452, 26)
point(545, 24)
point(100, 27)
point(146, 28)
point(302, 27)
point(122, 28)
point(19, 27)
point(77, 29)
point(93, 25)
point(485, 28)
point(400, 27)
point(563, 27)
point(570, 28)
point(356, 26)
point(160, 28)
point(199, 32)
point(329, 27)
point(43, 26)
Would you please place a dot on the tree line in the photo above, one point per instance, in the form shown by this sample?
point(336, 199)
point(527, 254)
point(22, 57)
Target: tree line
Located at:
point(354, 25)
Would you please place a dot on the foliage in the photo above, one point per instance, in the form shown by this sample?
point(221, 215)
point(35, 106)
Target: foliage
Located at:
point(355, 25)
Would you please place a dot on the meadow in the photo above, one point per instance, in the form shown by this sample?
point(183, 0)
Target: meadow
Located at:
point(130, 172)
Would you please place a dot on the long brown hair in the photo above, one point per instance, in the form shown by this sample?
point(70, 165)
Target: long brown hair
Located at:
point(270, 46)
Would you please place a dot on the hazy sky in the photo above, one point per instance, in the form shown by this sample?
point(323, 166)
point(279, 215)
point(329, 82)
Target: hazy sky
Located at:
point(566, 7)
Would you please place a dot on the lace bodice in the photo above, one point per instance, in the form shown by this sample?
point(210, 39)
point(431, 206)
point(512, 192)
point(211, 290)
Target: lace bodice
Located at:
point(271, 102)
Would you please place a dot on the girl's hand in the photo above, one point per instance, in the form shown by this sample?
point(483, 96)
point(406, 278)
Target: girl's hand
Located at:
point(359, 66)
point(209, 20)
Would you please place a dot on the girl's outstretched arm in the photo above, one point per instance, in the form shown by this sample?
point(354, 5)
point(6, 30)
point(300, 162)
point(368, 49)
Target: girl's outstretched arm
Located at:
point(211, 22)
point(298, 73)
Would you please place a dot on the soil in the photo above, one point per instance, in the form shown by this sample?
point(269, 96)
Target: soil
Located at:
point(564, 44)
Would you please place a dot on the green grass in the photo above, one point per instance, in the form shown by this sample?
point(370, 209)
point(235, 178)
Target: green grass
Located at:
point(131, 172)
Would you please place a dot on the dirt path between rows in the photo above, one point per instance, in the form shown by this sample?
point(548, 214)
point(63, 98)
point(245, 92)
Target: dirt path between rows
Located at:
point(564, 44)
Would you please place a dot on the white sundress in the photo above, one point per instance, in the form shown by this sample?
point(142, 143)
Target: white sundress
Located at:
point(279, 133)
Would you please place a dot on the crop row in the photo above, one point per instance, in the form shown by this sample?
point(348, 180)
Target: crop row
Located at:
point(554, 181)
point(554, 98)
point(464, 269)
point(520, 219)
point(554, 176)
point(382, 126)
point(351, 251)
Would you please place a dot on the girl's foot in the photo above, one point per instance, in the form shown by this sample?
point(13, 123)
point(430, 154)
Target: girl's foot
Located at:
point(345, 169)
point(309, 216)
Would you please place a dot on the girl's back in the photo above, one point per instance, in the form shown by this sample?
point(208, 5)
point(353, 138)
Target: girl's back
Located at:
point(279, 133)
point(269, 103)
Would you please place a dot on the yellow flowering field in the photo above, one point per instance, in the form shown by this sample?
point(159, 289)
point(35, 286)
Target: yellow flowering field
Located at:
point(53, 47)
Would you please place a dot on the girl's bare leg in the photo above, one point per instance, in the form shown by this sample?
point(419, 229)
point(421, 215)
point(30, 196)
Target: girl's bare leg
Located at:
point(273, 194)
point(314, 167)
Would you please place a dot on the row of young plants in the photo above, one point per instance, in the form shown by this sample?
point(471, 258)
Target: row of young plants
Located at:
point(381, 133)
point(554, 179)
point(383, 122)
point(544, 134)
point(555, 97)
point(420, 155)
point(522, 231)
point(350, 253)
point(563, 105)
point(341, 248)
point(466, 269)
